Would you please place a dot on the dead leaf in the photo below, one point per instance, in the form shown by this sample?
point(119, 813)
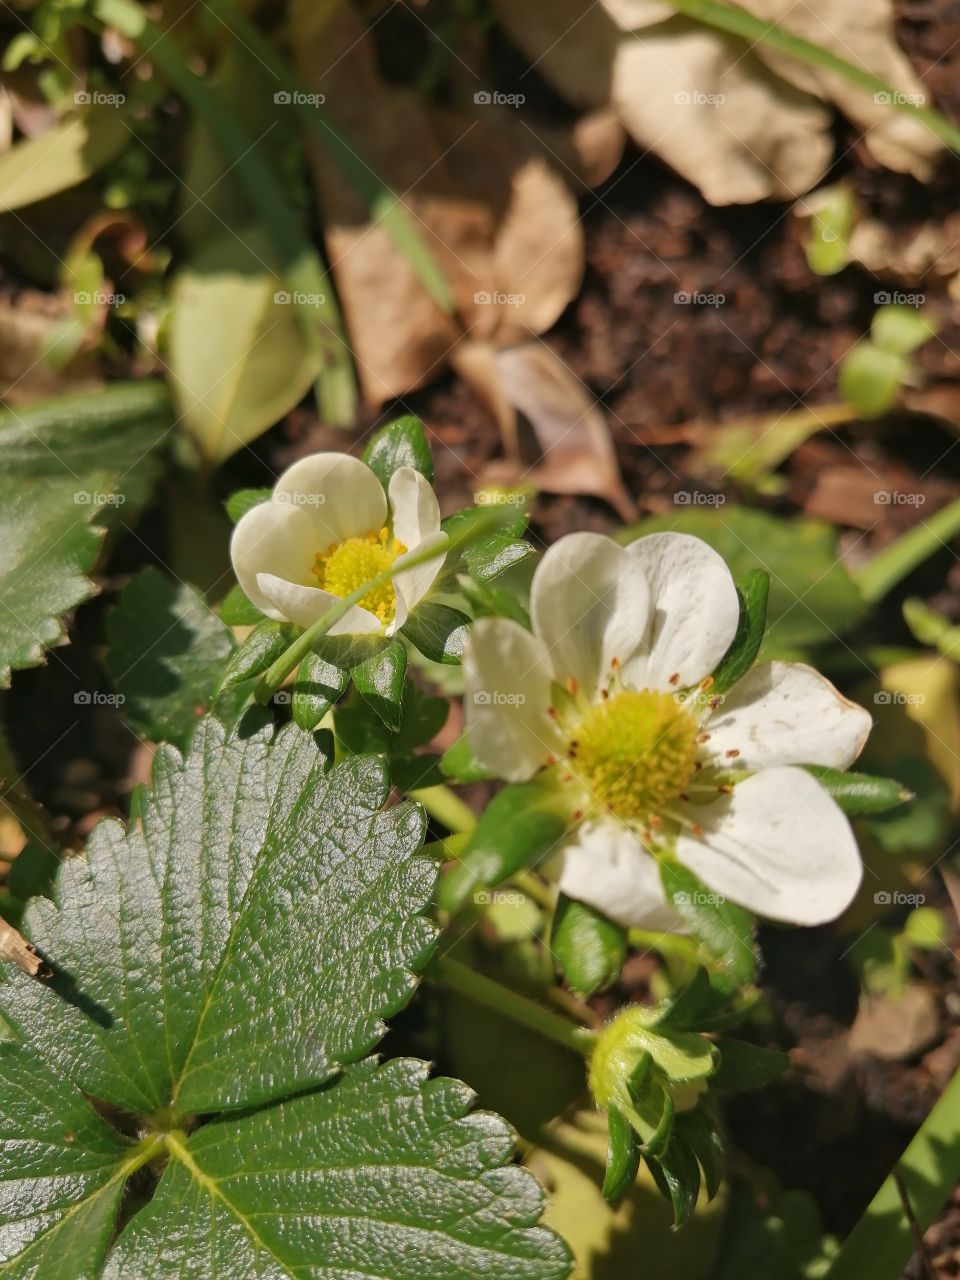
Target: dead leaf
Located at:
point(599, 139)
point(15, 947)
point(895, 1030)
point(28, 323)
point(911, 257)
point(573, 440)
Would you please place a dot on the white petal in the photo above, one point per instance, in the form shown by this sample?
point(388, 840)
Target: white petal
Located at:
point(341, 495)
point(589, 603)
point(411, 585)
point(272, 539)
point(787, 713)
point(307, 605)
point(694, 610)
point(607, 867)
point(507, 676)
point(414, 506)
point(778, 845)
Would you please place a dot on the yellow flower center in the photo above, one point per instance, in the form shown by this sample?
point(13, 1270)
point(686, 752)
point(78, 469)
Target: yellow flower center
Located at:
point(635, 752)
point(347, 565)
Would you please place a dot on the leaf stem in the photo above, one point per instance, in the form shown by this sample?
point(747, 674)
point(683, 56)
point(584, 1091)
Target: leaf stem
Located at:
point(893, 564)
point(446, 806)
point(322, 325)
point(476, 986)
point(738, 22)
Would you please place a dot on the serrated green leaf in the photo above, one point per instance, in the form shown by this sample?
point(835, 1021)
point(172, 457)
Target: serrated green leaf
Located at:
point(589, 947)
point(747, 1066)
point(753, 593)
point(206, 963)
point(265, 643)
point(317, 686)
point(438, 631)
point(166, 656)
point(399, 444)
point(237, 610)
point(380, 682)
point(724, 930)
point(244, 500)
point(861, 793)
point(69, 468)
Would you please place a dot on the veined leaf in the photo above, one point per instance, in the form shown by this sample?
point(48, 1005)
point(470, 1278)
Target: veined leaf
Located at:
point(61, 157)
point(238, 948)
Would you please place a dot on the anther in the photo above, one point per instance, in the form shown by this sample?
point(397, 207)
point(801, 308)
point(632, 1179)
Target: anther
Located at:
point(674, 679)
point(702, 738)
point(732, 753)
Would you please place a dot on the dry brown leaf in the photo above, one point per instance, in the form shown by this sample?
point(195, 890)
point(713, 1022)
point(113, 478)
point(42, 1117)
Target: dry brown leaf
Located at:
point(895, 1030)
point(599, 139)
point(928, 251)
point(27, 323)
point(573, 440)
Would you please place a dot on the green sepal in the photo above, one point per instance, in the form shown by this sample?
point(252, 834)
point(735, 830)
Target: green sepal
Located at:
point(262, 647)
point(459, 764)
point(399, 444)
point(697, 1129)
point(623, 1157)
point(677, 1175)
point(858, 794)
point(437, 631)
point(753, 593)
point(238, 610)
point(699, 1006)
point(244, 500)
point(589, 947)
point(317, 686)
point(724, 930)
point(747, 1066)
point(520, 827)
point(380, 679)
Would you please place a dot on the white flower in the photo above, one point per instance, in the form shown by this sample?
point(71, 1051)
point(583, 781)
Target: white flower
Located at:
point(328, 528)
point(610, 696)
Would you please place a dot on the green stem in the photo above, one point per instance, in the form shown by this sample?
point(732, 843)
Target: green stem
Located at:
point(893, 564)
point(738, 22)
point(336, 388)
point(447, 807)
point(383, 203)
point(882, 1241)
point(448, 849)
point(476, 986)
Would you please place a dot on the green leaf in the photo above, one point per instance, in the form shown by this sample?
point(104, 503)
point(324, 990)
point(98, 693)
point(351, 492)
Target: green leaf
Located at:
point(380, 681)
point(70, 467)
point(437, 631)
point(62, 156)
point(833, 213)
point(399, 444)
point(244, 500)
point(699, 1006)
point(813, 598)
point(236, 610)
point(265, 643)
point(870, 379)
point(747, 1066)
point(698, 1130)
point(753, 592)
point(623, 1156)
point(590, 948)
point(724, 930)
point(238, 357)
point(489, 556)
point(166, 657)
point(901, 329)
point(677, 1174)
point(861, 793)
point(317, 686)
point(461, 765)
point(206, 963)
point(518, 828)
